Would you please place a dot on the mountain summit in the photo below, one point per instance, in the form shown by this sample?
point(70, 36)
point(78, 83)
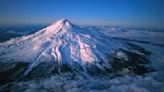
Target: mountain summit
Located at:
point(62, 22)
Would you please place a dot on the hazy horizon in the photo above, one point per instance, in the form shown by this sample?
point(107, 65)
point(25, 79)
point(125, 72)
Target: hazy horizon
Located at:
point(133, 13)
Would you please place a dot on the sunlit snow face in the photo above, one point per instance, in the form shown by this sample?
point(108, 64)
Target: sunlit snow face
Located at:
point(86, 53)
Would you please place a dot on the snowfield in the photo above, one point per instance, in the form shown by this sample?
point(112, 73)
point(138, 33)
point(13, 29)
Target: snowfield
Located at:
point(64, 57)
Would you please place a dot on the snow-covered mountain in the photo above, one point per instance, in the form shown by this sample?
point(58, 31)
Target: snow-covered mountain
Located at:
point(62, 42)
point(32, 63)
point(69, 44)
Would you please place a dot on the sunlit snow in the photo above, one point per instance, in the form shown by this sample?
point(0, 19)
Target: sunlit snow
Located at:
point(97, 59)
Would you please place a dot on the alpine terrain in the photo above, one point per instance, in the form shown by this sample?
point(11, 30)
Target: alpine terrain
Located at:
point(73, 58)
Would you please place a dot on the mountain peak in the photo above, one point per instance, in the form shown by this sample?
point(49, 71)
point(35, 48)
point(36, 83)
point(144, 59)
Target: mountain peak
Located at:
point(61, 23)
point(64, 20)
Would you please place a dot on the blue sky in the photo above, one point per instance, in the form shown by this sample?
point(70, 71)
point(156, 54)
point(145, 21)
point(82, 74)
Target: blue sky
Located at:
point(143, 13)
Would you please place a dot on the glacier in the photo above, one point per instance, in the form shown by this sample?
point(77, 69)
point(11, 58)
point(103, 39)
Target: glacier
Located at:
point(63, 43)
point(65, 57)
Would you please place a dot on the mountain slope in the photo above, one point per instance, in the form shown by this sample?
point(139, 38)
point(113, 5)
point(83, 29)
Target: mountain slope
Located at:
point(64, 57)
point(64, 43)
point(61, 42)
